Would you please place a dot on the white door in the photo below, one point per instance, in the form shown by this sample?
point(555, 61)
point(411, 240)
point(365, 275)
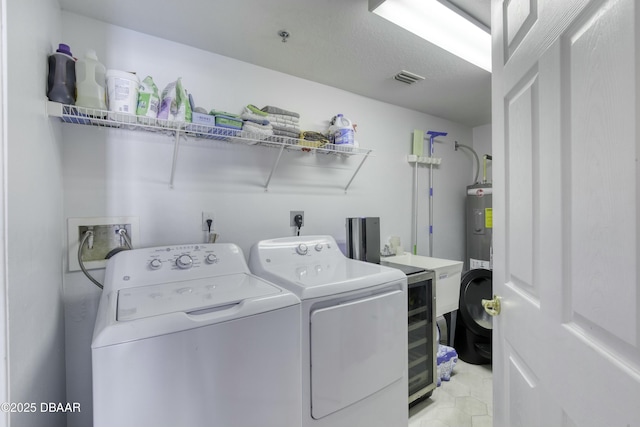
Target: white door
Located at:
point(566, 142)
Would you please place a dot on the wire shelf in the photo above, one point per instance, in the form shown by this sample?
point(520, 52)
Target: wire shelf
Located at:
point(110, 119)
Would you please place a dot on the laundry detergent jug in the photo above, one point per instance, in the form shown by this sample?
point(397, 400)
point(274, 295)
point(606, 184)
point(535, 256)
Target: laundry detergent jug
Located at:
point(341, 131)
point(61, 81)
point(90, 84)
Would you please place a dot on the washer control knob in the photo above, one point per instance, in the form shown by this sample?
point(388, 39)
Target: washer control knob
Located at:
point(302, 249)
point(318, 247)
point(184, 262)
point(155, 264)
point(211, 259)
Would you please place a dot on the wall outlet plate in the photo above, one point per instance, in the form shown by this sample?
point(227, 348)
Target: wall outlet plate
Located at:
point(292, 214)
point(205, 216)
point(105, 238)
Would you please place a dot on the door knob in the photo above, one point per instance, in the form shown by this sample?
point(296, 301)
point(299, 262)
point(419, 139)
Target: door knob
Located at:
point(492, 306)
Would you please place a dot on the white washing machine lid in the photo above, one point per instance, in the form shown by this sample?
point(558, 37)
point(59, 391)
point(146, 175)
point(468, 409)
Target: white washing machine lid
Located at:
point(191, 296)
point(148, 311)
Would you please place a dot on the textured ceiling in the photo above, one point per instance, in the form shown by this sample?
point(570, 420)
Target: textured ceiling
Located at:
point(334, 42)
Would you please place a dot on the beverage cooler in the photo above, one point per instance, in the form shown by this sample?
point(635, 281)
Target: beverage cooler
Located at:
point(422, 335)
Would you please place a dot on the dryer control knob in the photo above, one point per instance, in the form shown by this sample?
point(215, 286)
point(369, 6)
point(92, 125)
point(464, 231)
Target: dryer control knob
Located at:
point(155, 264)
point(211, 259)
point(318, 247)
point(302, 249)
point(184, 262)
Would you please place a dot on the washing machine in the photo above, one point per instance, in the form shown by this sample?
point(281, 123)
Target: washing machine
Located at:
point(187, 336)
point(354, 331)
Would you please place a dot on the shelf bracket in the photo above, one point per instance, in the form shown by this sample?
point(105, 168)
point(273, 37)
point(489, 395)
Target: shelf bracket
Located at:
point(357, 170)
point(273, 169)
point(175, 158)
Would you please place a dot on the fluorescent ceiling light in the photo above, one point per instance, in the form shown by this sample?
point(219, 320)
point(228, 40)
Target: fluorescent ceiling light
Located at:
point(440, 25)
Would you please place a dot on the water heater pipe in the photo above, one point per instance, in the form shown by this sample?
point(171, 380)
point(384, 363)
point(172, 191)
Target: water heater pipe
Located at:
point(457, 145)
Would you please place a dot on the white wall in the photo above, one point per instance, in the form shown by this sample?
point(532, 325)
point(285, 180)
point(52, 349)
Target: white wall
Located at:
point(114, 173)
point(482, 145)
point(34, 216)
point(4, 315)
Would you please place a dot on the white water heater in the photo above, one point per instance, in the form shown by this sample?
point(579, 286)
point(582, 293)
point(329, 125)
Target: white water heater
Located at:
point(479, 232)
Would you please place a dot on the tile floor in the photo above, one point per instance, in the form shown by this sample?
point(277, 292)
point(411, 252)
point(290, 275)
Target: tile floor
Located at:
point(464, 401)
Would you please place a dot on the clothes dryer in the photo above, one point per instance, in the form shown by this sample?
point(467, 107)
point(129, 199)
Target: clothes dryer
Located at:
point(186, 336)
point(354, 331)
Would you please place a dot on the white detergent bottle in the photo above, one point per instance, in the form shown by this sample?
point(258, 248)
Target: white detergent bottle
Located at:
point(90, 82)
point(343, 132)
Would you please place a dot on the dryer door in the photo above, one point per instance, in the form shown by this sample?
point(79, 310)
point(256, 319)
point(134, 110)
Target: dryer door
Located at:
point(475, 286)
point(357, 348)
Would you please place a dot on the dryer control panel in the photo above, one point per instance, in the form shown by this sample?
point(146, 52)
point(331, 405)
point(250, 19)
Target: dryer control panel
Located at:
point(298, 250)
point(314, 266)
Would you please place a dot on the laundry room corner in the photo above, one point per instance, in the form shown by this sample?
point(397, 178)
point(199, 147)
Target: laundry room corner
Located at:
point(119, 172)
point(35, 360)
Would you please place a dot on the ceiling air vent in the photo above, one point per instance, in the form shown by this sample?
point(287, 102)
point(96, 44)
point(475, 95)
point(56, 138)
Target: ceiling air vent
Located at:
point(407, 77)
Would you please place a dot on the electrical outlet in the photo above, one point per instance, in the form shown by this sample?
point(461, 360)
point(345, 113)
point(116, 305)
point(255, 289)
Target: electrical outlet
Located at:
point(292, 215)
point(205, 217)
point(104, 240)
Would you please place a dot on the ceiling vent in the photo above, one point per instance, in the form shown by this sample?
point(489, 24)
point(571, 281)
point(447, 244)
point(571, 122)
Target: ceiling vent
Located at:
point(407, 77)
